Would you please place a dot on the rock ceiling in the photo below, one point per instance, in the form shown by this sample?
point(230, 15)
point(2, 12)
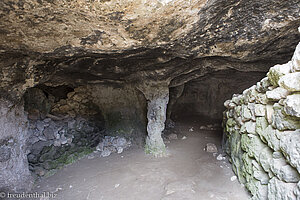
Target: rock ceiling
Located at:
point(75, 42)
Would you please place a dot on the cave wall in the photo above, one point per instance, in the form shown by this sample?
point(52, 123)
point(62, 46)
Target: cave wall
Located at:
point(210, 92)
point(66, 123)
point(123, 108)
point(14, 172)
point(262, 133)
point(83, 42)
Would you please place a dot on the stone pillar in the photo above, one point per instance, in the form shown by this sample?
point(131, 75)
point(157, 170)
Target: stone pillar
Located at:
point(157, 97)
point(14, 171)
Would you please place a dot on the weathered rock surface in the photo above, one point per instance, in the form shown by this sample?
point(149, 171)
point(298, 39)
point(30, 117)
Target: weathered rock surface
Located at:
point(105, 50)
point(265, 150)
point(123, 41)
point(14, 173)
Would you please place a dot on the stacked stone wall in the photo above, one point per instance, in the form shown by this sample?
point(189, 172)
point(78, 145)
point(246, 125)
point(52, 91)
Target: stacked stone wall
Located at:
point(262, 133)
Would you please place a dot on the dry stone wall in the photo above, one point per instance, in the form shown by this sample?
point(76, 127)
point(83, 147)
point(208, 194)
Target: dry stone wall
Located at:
point(62, 130)
point(262, 133)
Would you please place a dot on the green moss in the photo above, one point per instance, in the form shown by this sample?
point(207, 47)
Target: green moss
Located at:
point(50, 173)
point(159, 151)
point(69, 157)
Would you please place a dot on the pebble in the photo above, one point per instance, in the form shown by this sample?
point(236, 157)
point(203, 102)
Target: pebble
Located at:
point(106, 152)
point(191, 129)
point(233, 178)
point(184, 137)
point(211, 148)
point(220, 157)
point(112, 144)
point(119, 150)
point(117, 185)
point(172, 136)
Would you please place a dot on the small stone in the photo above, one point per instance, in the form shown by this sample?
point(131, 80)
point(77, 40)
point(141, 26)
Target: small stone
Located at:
point(233, 178)
point(277, 71)
point(42, 138)
point(292, 105)
point(296, 59)
point(277, 94)
point(260, 110)
point(202, 127)
point(211, 148)
point(221, 157)
point(250, 127)
point(57, 143)
point(173, 136)
point(106, 152)
point(49, 133)
point(269, 112)
point(40, 125)
point(47, 120)
point(40, 171)
point(100, 146)
point(63, 139)
point(184, 137)
point(119, 149)
point(191, 129)
point(117, 185)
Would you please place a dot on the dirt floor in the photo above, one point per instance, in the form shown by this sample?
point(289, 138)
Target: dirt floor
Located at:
point(188, 173)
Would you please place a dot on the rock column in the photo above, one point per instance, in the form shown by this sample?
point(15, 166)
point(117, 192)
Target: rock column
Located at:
point(14, 171)
point(157, 97)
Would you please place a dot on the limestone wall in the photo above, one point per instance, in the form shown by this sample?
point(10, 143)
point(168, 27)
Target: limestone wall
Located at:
point(262, 133)
point(64, 127)
point(14, 172)
point(210, 92)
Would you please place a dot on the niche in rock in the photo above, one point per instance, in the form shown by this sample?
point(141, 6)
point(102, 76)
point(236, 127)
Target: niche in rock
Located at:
point(67, 123)
point(203, 98)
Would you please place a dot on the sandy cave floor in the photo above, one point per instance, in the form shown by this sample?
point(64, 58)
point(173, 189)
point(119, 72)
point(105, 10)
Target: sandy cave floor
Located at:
point(189, 173)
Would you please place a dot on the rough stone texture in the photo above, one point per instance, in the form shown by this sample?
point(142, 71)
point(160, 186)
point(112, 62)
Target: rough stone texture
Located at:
point(210, 91)
point(81, 41)
point(158, 97)
point(125, 114)
point(291, 82)
point(265, 150)
point(278, 71)
point(277, 94)
point(124, 44)
point(67, 123)
point(292, 105)
point(14, 173)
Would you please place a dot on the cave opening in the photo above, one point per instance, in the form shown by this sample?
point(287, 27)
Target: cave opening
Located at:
point(161, 99)
point(71, 123)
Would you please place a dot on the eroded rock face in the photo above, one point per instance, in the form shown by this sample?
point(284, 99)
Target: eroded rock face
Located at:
point(79, 42)
point(205, 95)
point(14, 173)
point(109, 48)
point(263, 146)
point(157, 96)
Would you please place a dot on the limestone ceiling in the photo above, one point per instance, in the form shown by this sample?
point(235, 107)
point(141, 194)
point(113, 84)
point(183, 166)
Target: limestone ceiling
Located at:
point(101, 41)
